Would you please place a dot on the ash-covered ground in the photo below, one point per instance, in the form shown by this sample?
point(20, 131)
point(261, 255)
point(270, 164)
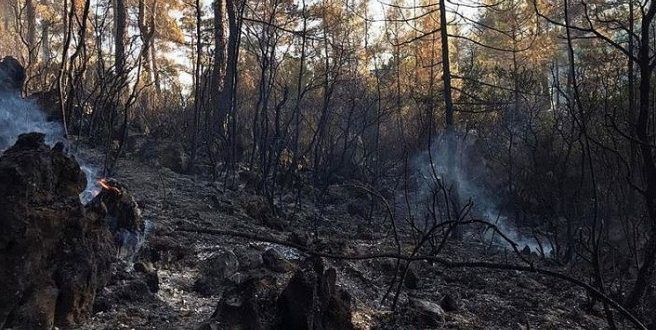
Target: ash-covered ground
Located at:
point(178, 277)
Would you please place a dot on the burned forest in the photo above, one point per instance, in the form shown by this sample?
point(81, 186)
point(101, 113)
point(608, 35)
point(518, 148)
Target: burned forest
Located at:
point(327, 164)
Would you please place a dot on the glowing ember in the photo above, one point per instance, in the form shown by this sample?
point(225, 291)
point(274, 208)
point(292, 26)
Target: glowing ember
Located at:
point(105, 184)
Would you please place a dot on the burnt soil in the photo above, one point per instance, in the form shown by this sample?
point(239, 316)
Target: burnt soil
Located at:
point(485, 299)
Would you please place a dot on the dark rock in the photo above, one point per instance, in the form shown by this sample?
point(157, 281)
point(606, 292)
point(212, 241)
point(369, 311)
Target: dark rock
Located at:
point(48, 102)
point(144, 267)
point(358, 208)
point(249, 258)
point(300, 238)
point(258, 208)
point(274, 261)
point(411, 280)
point(12, 75)
point(449, 303)
point(49, 246)
point(246, 306)
point(214, 271)
point(388, 265)
point(526, 250)
point(426, 313)
point(135, 290)
point(174, 157)
point(311, 300)
point(152, 280)
point(149, 274)
point(38, 311)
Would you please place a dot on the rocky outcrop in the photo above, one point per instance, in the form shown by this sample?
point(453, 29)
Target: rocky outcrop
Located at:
point(425, 313)
point(214, 271)
point(53, 257)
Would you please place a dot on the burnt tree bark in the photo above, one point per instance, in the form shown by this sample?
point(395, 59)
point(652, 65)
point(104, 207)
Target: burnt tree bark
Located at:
point(120, 21)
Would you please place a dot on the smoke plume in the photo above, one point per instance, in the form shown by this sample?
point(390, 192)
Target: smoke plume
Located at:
point(18, 116)
point(472, 181)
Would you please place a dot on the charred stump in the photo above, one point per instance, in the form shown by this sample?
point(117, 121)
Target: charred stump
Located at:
point(312, 300)
point(117, 206)
point(55, 253)
point(53, 258)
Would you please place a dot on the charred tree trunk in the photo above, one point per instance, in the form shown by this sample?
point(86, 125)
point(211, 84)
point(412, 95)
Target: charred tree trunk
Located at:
point(646, 68)
point(219, 62)
point(120, 22)
point(450, 138)
point(30, 12)
point(227, 108)
point(198, 81)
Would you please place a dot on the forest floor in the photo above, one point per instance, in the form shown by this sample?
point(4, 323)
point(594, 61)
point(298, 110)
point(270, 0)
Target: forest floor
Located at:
point(485, 299)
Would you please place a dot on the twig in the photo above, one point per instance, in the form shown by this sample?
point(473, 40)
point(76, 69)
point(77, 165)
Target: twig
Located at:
point(442, 261)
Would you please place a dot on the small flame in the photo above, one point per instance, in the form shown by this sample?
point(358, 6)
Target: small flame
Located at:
point(105, 184)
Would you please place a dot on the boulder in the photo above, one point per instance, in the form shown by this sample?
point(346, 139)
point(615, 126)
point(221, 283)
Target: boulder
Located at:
point(249, 258)
point(214, 271)
point(12, 76)
point(411, 280)
point(275, 261)
point(426, 313)
point(300, 237)
point(53, 256)
point(174, 157)
point(149, 274)
point(449, 303)
point(258, 208)
point(312, 300)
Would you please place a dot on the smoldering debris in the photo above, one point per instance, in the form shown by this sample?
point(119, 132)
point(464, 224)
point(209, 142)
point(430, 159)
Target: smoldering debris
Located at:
point(54, 255)
point(19, 115)
point(469, 181)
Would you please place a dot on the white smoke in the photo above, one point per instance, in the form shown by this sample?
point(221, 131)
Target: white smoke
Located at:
point(18, 116)
point(93, 188)
point(469, 179)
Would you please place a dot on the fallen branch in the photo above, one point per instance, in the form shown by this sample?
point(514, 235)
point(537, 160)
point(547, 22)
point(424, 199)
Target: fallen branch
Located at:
point(442, 261)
